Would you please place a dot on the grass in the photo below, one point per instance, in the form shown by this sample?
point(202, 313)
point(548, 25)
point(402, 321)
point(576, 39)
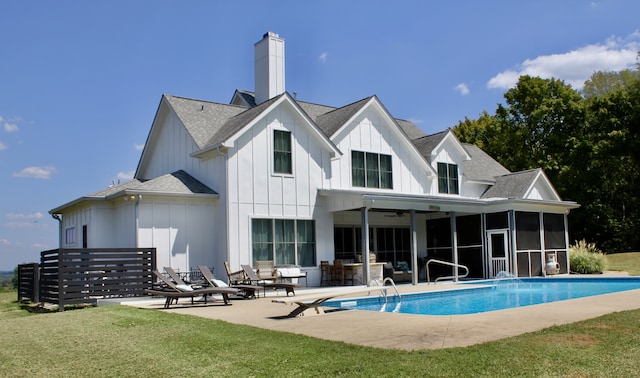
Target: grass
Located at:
point(122, 341)
point(628, 262)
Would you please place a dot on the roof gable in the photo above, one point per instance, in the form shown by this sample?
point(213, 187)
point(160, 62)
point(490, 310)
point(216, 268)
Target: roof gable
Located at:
point(531, 184)
point(178, 183)
point(240, 123)
point(481, 167)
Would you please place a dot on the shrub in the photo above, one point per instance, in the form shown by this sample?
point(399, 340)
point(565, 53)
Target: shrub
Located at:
point(586, 258)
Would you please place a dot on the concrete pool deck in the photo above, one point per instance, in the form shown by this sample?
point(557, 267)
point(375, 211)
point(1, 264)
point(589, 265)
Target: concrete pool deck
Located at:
point(404, 331)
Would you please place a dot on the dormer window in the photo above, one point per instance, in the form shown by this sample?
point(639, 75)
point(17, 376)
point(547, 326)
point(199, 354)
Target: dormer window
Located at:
point(282, 152)
point(448, 178)
point(371, 170)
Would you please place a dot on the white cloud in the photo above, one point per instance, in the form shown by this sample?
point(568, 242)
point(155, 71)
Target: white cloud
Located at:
point(323, 57)
point(36, 215)
point(138, 147)
point(3, 146)
point(126, 176)
point(576, 66)
point(10, 127)
point(36, 172)
point(5, 242)
point(462, 88)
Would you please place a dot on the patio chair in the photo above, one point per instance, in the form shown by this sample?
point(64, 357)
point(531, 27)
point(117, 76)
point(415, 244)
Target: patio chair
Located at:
point(236, 277)
point(248, 291)
point(172, 292)
point(272, 284)
point(179, 281)
point(266, 270)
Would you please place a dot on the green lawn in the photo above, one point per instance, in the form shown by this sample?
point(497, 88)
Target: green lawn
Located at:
point(122, 341)
point(629, 262)
point(119, 341)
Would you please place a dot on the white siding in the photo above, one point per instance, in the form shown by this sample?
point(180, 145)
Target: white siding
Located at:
point(256, 192)
point(372, 133)
point(180, 230)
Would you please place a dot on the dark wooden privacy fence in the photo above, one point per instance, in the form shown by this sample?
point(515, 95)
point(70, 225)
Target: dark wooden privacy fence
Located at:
point(28, 282)
point(81, 276)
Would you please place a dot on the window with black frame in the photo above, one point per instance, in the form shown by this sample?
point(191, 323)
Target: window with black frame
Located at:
point(371, 170)
point(448, 182)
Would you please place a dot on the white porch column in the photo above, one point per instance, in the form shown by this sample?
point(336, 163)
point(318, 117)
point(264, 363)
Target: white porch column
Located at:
point(454, 245)
point(366, 271)
point(414, 249)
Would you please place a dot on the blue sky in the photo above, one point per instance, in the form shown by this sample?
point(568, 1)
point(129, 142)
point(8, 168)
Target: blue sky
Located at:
point(80, 81)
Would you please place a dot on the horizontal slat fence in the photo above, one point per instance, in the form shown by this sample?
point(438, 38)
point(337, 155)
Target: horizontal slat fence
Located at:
point(81, 276)
point(29, 282)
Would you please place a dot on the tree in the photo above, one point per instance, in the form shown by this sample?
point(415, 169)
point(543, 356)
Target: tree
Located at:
point(602, 83)
point(589, 148)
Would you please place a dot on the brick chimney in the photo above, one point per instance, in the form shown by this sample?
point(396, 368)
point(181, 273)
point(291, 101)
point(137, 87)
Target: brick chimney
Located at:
point(269, 67)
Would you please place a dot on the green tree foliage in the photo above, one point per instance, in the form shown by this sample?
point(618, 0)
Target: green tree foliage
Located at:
point(587, 146)
point(603, 83)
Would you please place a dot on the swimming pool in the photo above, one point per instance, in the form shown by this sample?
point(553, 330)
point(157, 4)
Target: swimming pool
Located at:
point(491, 295)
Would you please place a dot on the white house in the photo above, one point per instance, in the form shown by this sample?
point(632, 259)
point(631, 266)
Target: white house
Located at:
point(269, 177)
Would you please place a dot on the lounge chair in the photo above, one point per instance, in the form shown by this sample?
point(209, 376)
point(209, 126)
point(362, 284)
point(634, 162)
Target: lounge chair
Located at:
point(272, 284)
point(315, 301)
point(179, 281)
point(266, 270)
point(248, 291)
point(236, 277)
point(172, 291)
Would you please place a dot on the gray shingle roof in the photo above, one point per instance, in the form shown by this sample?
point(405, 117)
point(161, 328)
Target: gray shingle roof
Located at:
point(513, 185)
point(178, 182)
point(202, 119)
point(409, 128)
point(332, 121)
point(427, 143)
point(481, 167)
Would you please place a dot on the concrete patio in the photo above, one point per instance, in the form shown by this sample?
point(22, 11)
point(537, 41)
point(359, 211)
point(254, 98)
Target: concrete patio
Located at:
point(402, 331)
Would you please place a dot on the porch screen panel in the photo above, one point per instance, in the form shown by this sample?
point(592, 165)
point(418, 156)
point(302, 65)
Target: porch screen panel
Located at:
point(471, 257)
point(439, 246)
point(527, 231)
point(306, 243)
point(262, 237)
point(497, 221)
point(523, 264)
point(469, 230)
point(563, 262)
point(554, 235)
point(536, 264)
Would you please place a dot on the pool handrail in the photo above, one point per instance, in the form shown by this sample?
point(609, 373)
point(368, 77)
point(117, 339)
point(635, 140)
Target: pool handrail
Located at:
point(456, 277)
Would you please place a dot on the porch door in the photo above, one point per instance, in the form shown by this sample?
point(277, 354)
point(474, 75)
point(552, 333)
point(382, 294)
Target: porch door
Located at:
point(497, 247)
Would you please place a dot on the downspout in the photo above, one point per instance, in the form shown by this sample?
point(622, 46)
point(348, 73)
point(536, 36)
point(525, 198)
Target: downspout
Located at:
point(366, 267)
point(137, 220)
point(454, 244)
point(59, 219)
point(414, 249)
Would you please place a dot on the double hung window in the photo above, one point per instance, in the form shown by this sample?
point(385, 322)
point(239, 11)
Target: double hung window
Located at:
point(282, 158)
point(285, 241)
point(448, 182)
point(371, 170)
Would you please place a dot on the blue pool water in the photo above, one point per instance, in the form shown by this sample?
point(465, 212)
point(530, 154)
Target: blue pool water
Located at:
point(496, 295)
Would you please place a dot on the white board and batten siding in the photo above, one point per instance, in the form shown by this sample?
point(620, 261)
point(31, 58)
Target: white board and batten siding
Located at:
point(372, 133)
point(255, 191)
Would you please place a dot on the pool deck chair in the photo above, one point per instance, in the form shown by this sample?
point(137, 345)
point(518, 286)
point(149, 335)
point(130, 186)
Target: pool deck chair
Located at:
point(173, 292)
point(234, 277)
point(272, 284)
point(248, 291)
point(315, 301)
